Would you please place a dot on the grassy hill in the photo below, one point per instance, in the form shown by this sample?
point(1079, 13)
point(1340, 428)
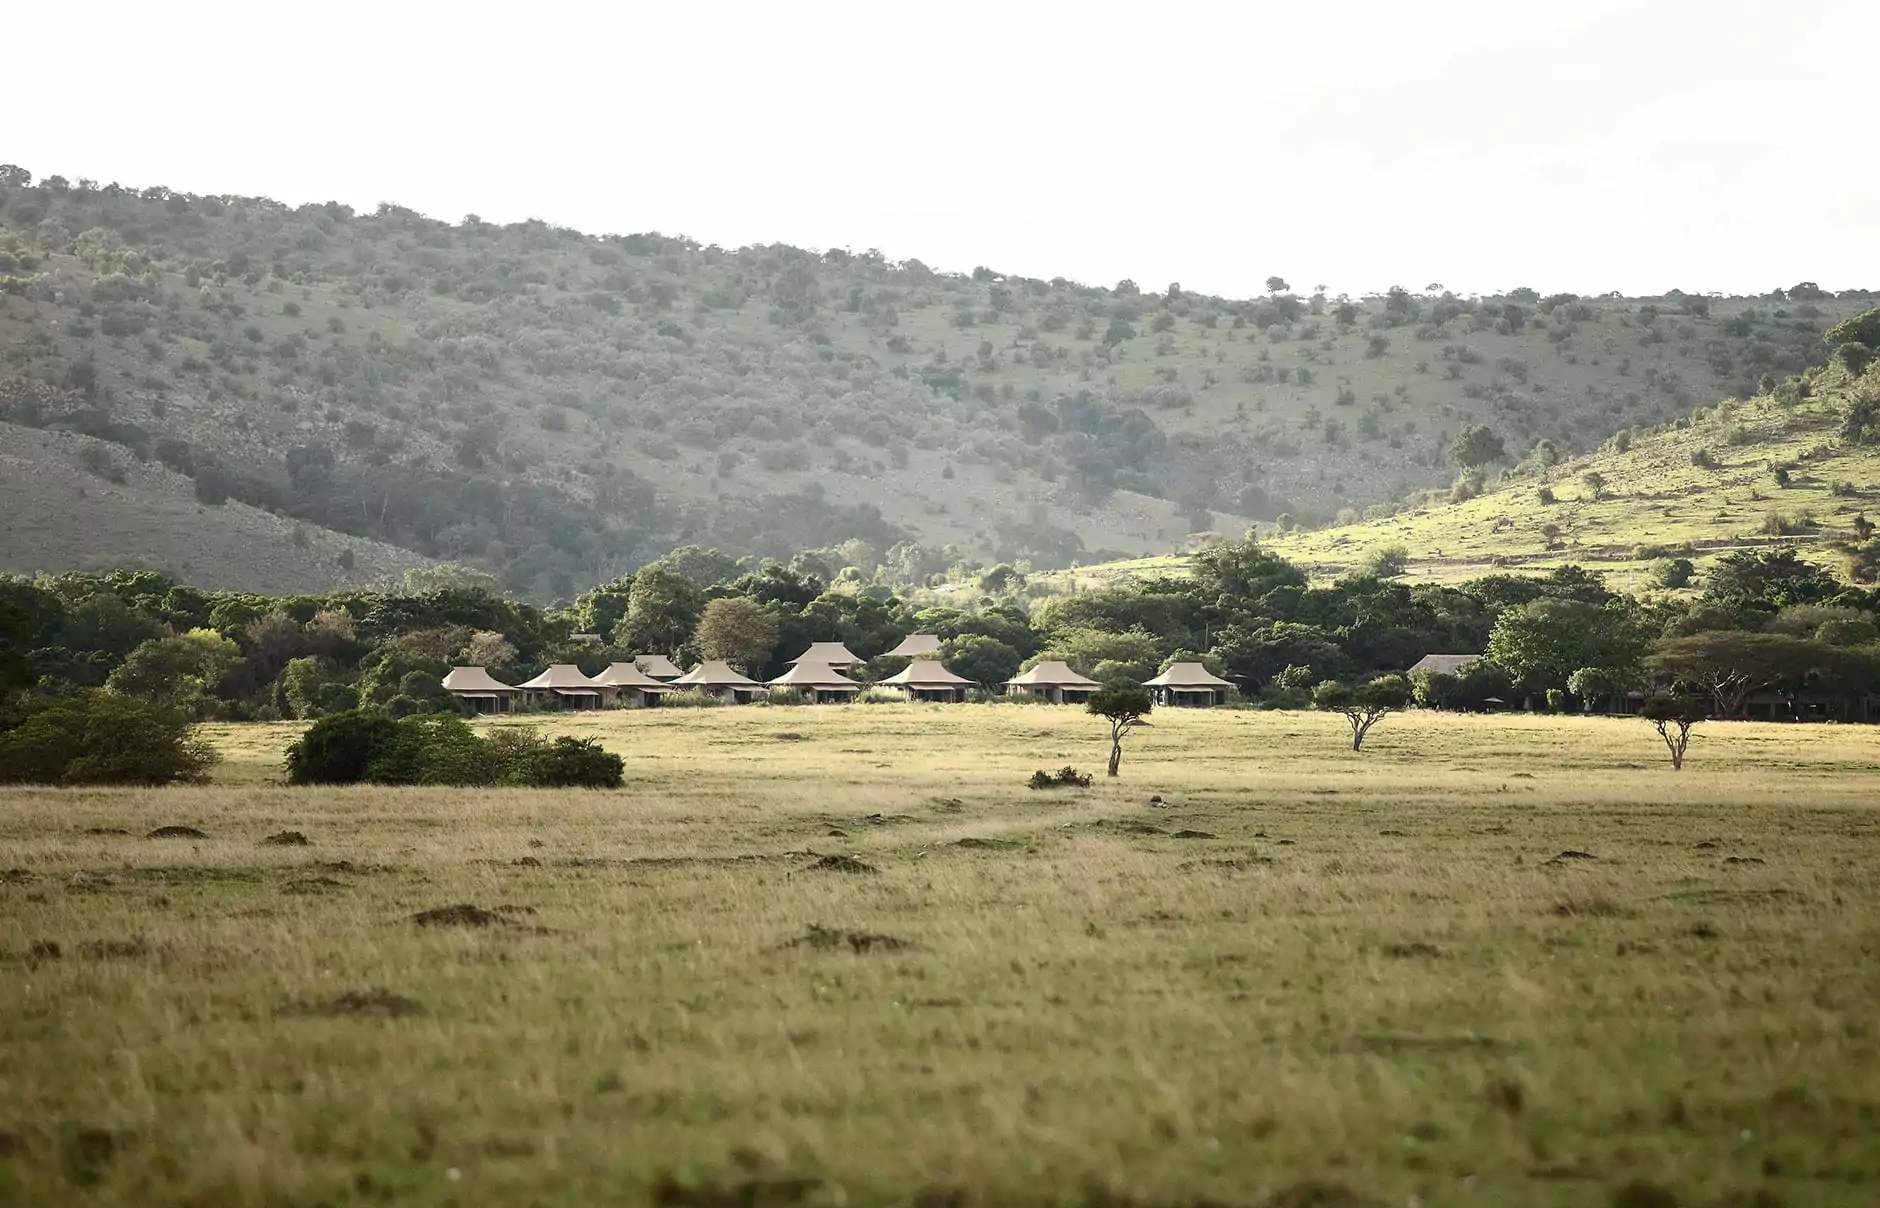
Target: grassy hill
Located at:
point(1776, 469)
point(72, 502)
point(559, 406)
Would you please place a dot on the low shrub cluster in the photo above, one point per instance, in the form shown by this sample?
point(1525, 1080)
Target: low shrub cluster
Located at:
point(99, 738)
point(1065, 777)
point(371, 747)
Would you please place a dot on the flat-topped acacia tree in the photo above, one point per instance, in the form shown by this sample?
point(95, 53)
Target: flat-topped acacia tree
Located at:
point(1673, 717)
point(1363, 705)
point(1125, 708)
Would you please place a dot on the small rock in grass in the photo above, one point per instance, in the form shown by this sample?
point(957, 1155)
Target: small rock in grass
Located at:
point(286, 838)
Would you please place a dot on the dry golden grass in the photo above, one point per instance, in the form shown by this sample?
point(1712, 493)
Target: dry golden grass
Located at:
point(1378, 981)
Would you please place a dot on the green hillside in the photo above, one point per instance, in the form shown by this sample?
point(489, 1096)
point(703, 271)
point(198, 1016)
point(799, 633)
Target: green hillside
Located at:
point(558, 406)
point(1781, 468)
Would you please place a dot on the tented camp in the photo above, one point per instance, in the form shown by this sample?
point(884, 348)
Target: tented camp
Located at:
point(564, 686)
point(627, 684)
point(819, 681)
point(1446, 664)
point(716, 677)
point(659, 666)
point(833, 654)
point(928, 679)
point(1188, 684)
point(1054, 682)
point(480, 690)
point(918, 646)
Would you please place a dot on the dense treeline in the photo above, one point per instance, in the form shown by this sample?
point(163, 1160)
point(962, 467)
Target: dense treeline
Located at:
point(1764, 622)
point(557, 407)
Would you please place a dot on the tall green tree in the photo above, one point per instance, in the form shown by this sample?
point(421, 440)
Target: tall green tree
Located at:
point(665, 610)
point(737, 630)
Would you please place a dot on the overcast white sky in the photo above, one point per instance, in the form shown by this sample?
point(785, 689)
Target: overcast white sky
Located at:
point(1637, 145)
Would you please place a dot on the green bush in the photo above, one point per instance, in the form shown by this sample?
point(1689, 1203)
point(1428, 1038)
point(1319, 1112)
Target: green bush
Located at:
point(100, 738)
point(367, 746)
point(566, 763)
point(1064, 777)
point(338, 748)
point(692, 698)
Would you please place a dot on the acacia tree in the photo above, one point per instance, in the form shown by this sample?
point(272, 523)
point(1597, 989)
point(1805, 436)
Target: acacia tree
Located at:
point(1673, 717)
point(1125, 708)
point(1730, 664)
point(1363, 705)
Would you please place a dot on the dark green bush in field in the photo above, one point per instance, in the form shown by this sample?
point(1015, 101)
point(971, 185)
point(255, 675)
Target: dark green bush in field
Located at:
point(338, 748)
point(100, 738)
point(367, 746)
point(567, 763)
point(1064, 777)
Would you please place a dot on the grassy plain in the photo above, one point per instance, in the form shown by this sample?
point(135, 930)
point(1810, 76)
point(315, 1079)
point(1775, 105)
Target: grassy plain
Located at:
point(1491, 960)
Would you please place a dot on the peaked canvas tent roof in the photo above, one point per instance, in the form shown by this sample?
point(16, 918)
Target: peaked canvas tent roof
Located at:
point(927, 673)
point(1052, 674)
point(826, 652)
point(1187, 675)
point(562, 677)
point(627, 675)
point(715, 673)
point(918, 646)
point(474, 681)
point(805, 674)
point(1446, 664)
point(658, 666)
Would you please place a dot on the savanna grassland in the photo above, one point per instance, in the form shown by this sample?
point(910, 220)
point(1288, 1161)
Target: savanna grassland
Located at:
point(841, 956)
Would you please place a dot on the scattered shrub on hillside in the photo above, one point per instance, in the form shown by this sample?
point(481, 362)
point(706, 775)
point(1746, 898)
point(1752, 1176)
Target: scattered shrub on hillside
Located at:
point(1862, 424)
point(1781, 474)
point(1064, 777)
point(100, 738)
point(1703, 459)
point(1546, 496)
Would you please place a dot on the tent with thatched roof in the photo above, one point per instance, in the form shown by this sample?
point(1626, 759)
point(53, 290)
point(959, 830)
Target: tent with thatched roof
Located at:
point(834, 654)
point(820, 681)
point(1188, 684)
point(1053, 681)
point(480, 690)
point(918, 646)
point(627, 682)
point(563, 684)
point(928, 679)
point(719, 678)
point(659, 666)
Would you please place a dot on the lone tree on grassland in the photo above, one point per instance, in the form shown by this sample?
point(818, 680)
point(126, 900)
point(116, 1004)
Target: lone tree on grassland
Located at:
point(1364, 705)
point(1125, 709)
point(1673, 717)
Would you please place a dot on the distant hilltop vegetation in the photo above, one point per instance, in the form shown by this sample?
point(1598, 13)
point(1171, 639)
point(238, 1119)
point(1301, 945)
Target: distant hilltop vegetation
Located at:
point(557, 408)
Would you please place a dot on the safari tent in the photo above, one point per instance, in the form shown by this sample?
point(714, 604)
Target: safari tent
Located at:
point(480, 690)
point(1053, 682)
point(625, 682)
point(1188, 684)
point(833, 654)
point(564, 686)
point(918, 646)
point(820, 681)
point(928, 679)
point(659, 666)
point(719, 678)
